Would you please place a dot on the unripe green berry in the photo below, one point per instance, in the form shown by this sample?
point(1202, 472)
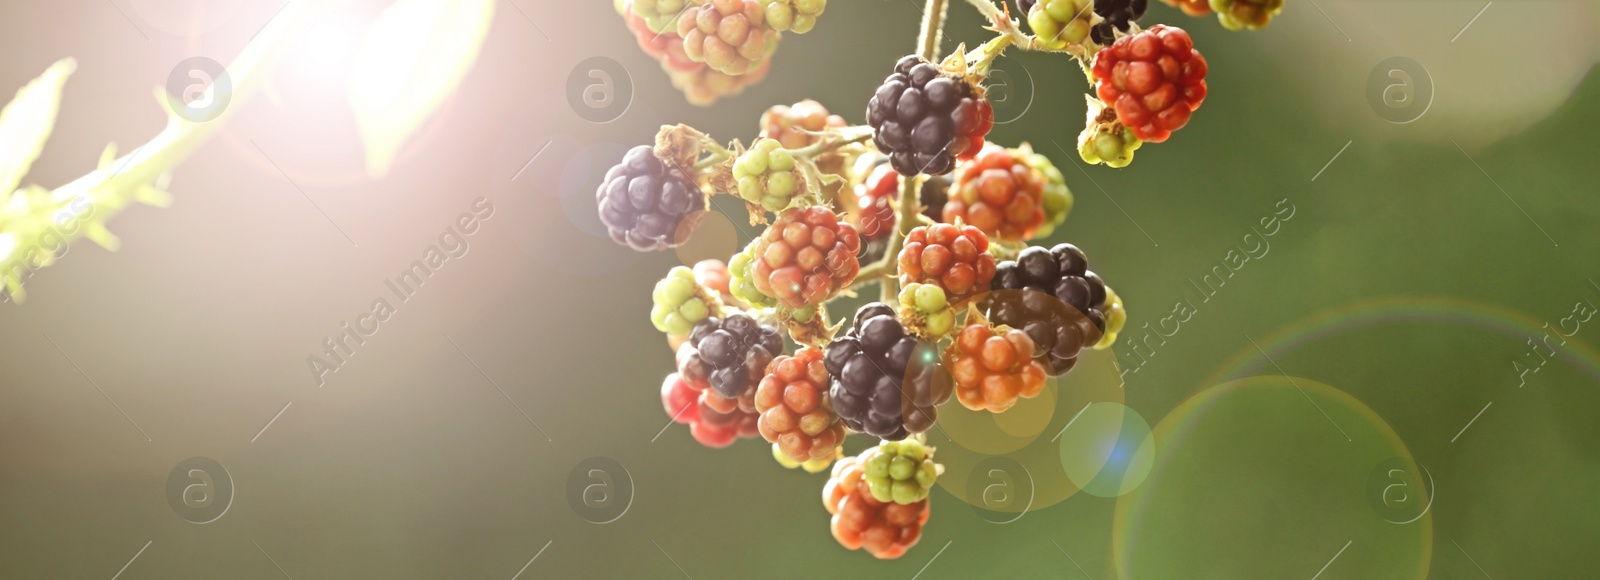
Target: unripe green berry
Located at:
point(901, 467)
point(904, 492)
point(678, 303)
point(878, 466)
point(930, 298)
point(899, 471)
point(940, 323)
point(780, 16)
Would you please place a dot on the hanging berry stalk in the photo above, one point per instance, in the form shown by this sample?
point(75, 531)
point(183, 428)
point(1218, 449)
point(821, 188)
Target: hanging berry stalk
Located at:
point(953, 318)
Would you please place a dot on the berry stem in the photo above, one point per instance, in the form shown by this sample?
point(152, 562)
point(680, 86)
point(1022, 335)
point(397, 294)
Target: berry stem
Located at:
point(908, 207)
point(932, 30)
point(1008, 29)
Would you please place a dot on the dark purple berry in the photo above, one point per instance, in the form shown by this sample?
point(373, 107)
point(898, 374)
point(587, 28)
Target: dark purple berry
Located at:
point(645, 203)
point(730, 355)
point(885, 382)
point(1050, 295)
point(925, 120)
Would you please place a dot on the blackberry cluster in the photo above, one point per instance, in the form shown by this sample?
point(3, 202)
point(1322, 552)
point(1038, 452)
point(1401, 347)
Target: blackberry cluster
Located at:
point(999, 192)
point(644, 202)
point(1058, 24)
point(925, 120)
point(1118, 14)
point(713, 421)
point(767, 175)
point(1052, 296)
point(886, 382)
point(730, 355)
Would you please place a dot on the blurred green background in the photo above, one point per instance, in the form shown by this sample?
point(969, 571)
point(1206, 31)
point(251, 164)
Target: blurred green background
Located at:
point(1422, 263)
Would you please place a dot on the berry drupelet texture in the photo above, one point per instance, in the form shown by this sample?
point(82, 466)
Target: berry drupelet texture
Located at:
point(956, 259)
point(902, 472)
point(885, 381)
point(804, 258)
point(796, 414)
point(992, 368)
point(925, 119)
point(1053, 297)
point(1116, 14)
point(729, 355)
point(860, 521)
point(646, 203)
point(1000, 193)
point(1154, 80)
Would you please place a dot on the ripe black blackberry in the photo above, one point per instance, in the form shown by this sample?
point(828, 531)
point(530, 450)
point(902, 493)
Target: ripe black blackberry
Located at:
point(1052, 296)
point(730, 355)
point(1118, 14)
point(644, 201)
point(1024, 6)
point(885, 381)
point(925, 120)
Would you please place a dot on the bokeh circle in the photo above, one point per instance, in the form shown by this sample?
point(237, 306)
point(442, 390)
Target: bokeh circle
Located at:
point(1268, 477)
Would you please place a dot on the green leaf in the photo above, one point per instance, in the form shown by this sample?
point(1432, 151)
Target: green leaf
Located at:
point(413, 58)
point(25, 124)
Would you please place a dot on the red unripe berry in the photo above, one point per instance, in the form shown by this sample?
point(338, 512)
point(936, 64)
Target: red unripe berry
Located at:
point(1154, 80)
point(953, 258)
